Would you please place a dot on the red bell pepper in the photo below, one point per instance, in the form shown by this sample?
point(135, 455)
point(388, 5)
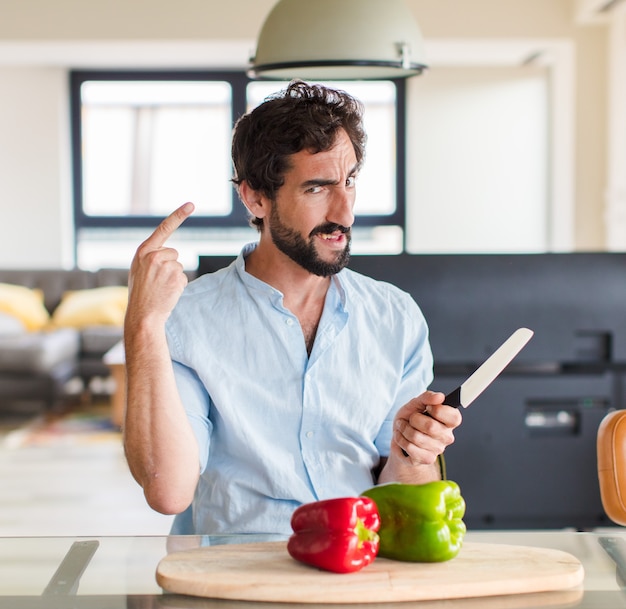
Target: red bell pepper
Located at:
point(337, 535)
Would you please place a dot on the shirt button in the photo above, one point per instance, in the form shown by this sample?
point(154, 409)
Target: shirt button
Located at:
point(289, 321)
point(309, 434)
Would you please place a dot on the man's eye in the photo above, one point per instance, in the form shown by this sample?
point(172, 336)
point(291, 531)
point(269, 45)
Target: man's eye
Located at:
point(314, 189)
point(351, 181)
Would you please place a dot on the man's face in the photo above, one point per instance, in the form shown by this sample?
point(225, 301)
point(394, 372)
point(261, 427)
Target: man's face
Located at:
point(311, 216)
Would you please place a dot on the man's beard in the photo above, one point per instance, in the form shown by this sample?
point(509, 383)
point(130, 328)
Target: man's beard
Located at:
point(302, 251)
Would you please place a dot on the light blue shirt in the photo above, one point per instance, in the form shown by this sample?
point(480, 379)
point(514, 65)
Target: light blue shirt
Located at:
point(276, 427)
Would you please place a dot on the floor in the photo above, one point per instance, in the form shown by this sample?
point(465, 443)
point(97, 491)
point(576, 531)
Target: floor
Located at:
point(70, 490)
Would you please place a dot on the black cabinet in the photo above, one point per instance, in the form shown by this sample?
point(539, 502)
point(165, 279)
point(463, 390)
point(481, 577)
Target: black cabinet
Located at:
point(525, 455)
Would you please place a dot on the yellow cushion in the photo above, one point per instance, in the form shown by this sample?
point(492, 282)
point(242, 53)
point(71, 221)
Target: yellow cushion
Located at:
point(26, 304)
point(104, 306)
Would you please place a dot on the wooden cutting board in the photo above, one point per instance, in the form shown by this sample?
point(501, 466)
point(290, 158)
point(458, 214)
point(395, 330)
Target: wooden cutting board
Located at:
point(266, 572)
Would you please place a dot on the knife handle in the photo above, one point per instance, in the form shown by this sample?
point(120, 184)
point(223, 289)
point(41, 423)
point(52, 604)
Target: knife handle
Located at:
point(452, 399)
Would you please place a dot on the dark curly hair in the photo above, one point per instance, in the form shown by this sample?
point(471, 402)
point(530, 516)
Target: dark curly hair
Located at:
point(301, 117)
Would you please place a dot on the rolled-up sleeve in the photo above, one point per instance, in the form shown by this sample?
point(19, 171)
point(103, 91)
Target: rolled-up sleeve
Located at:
point(197, 405)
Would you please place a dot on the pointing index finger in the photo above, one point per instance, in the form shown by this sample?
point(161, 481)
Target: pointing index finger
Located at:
point(167, 228)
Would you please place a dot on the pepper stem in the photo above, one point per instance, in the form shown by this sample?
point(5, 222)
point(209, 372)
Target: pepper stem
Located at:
point(363, 533)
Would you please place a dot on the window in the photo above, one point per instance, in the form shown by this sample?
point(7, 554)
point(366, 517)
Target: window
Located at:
point(145, 142)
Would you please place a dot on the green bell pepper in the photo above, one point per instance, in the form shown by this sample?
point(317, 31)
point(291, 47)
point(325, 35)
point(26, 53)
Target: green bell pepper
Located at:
point(420, 522)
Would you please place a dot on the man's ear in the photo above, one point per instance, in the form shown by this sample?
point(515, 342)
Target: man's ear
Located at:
point(254, 200)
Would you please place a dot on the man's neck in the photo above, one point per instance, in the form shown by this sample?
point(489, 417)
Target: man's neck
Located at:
point(303, 292)
point(275, 268)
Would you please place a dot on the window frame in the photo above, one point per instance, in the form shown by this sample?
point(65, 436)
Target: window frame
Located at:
point(238, 218)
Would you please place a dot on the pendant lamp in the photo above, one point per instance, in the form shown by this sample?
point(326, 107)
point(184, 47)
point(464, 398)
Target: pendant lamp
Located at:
point(338, 40)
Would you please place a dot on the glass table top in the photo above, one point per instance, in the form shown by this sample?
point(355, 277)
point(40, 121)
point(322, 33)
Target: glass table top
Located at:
point(112, 572)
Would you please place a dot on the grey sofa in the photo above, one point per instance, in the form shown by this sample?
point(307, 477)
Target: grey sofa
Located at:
point(36, 366)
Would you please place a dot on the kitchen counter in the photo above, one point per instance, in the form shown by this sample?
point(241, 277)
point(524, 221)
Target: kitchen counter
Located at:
point(119, 572)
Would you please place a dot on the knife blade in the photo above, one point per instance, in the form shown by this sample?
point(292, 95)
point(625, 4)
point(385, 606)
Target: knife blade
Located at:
point(489, 370)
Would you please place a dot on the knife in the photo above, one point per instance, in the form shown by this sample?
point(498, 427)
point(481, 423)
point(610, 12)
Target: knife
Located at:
point(488, 371)
point(485, 374)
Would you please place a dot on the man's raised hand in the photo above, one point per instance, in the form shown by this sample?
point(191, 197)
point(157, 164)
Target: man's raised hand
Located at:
point(168, 227)
point(156, 278)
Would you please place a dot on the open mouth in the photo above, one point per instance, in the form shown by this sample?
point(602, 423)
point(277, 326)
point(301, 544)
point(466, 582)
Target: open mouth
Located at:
point(337, 236)
point(332, 233)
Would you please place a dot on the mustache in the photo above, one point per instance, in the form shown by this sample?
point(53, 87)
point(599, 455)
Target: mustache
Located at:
point(329, 227)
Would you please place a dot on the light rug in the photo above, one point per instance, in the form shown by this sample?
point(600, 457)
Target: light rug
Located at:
point(69, 429)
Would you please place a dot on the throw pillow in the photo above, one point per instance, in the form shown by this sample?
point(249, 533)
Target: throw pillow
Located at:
point(26, 304)
point(104, 306)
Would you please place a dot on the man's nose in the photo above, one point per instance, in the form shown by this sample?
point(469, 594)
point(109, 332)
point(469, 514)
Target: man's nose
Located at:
point(342, 209)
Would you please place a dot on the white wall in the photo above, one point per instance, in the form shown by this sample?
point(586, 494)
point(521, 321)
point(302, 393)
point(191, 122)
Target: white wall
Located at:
point(477, 155)
point(35, 224)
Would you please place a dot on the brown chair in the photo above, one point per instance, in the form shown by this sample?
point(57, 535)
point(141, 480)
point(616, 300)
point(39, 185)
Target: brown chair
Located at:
point(611, 449)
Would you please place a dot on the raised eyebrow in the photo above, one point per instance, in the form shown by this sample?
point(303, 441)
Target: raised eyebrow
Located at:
point(325, 182)
point(318, 182)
